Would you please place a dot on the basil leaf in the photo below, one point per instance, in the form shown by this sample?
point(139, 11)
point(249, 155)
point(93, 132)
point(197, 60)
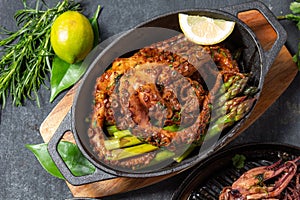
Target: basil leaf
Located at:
point(76, 162)
point(41, 153)
point(64, 75)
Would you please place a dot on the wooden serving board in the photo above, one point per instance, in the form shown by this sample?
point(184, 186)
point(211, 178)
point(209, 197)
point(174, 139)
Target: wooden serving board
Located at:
point(281, 74)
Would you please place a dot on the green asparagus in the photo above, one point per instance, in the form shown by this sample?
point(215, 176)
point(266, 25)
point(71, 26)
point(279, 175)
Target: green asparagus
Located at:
point(243, 108)
point(236, 113)
point(185, 154)
point(160, 157)
point(118, 154)
point(228, 105)
point(117, 143)
point(234, 89)
point(123, 133)
point(250, 91)
point(225, 86)
point(112, 129)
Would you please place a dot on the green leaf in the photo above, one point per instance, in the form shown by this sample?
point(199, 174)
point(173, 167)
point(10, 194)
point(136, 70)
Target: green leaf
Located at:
point(94, 23)
point(293, 17)
point(76, 162)
point(295, 7)
point(296, 60)
point(296, 57)
point(64, 75)
point(238, 161)
point(41, 153)
point(298, 24)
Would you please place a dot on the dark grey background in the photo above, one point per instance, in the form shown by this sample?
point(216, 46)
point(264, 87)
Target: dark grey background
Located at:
point(22, 177)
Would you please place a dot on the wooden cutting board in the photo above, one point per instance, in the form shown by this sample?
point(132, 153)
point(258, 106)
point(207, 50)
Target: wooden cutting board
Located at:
point(281, 74)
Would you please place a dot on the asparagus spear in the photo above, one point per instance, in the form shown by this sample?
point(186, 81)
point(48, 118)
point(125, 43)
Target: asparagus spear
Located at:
point(236, 88)
point(160, 157)
point(118, 154)
point(189, 149)
point(250, 91)
point(236, 113)
point(123, 133)
point(112, 129)
point(226, 85)
point(124, 144)
point(117, 143)
point(228, 105)
point(244, 108)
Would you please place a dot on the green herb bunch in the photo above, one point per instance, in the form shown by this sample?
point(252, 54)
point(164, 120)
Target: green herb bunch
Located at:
point(27, 52)
point(294, 16)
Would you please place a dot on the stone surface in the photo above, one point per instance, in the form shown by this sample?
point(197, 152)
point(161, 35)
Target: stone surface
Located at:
point(21, 175)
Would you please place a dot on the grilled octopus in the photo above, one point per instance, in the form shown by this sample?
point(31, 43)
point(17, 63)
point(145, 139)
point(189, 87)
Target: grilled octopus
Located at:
point(172, 82)
point(256, 184)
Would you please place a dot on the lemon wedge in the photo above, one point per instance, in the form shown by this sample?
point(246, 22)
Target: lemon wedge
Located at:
point(204, 30)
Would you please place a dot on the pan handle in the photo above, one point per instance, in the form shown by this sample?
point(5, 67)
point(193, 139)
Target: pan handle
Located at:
point(271, 54)
point(64, 127)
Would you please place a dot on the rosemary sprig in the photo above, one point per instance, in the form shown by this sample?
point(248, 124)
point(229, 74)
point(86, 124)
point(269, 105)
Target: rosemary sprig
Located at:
point(27, 53)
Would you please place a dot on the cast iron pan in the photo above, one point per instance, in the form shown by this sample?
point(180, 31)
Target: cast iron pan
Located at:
point(255, 61)
point(207, 180)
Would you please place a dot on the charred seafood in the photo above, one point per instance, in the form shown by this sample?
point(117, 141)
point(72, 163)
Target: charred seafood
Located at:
point(277, 181)
point(159, 103)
